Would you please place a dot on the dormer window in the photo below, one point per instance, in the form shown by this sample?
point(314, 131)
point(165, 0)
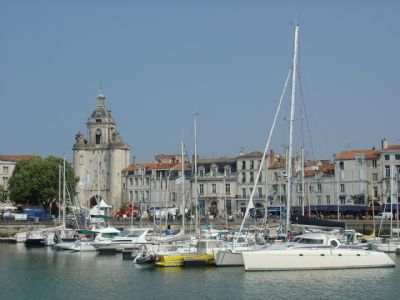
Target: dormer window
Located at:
point(201, 171)
point(227, 170)
point(214, 170)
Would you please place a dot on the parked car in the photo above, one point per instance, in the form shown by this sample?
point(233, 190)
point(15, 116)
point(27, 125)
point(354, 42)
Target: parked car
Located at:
point(384, 216)
point(34, 214)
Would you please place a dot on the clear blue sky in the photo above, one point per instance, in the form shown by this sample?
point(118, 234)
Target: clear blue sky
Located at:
point(160, 61)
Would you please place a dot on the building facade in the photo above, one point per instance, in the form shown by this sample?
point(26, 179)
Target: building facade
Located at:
point(247, 166)
point(159, 183)
point(217, 186)
point(99, 159)
point(389, 169)
point(7, 166)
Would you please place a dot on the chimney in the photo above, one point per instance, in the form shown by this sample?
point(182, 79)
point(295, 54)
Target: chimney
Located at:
point(385, 143)
point(241, 151)
point(271, 156)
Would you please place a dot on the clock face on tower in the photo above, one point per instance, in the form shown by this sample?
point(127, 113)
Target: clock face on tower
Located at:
point(98, 131)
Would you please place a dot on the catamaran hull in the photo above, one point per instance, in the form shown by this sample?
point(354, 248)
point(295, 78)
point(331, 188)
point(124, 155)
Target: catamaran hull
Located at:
point(314, 259)
point(226, 258)
point(388, 248)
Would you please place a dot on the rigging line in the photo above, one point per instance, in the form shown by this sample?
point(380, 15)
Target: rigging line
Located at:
point(304, 107)
point(250, 202)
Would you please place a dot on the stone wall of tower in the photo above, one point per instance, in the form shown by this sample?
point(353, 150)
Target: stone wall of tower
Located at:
point(118, 161)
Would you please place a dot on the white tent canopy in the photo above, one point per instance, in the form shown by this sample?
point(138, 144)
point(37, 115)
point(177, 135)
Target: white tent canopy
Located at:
point(7, 206)
point(103, 204)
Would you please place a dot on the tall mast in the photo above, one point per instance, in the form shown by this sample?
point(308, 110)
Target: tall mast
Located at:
point(290, 154)
point(302, 181)
point(196, 225)
point(392, 195)
point(183, 188)
point(63, 204)
point(98, 185)
point(59, 194)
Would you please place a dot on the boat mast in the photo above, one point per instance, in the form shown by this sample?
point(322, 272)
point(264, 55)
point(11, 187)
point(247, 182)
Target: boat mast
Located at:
point(166, 200)
point(290, 154)
point(183, 187)
point(396, 194)
point(392, 195)
point(302, 180)
point(63, 204)
point(59, 194)
point(196, 200)
point(250, 203)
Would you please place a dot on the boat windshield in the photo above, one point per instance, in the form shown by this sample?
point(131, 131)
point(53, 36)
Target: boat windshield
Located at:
point(310, 241)
point(109, 235)
point(135, 233)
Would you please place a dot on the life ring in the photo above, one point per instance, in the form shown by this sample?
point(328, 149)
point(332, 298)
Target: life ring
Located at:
point(334, 243)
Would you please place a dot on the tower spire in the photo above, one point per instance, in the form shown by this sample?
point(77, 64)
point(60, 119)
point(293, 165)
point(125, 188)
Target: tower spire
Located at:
point(101, 87)
point(100, 97)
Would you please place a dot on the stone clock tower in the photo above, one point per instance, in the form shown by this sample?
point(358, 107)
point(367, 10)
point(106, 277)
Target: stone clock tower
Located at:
point(100, 159)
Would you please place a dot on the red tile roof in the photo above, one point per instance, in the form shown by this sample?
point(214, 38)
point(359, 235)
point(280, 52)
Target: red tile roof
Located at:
point(393, 147)
point(15, 158)
point(347, 155)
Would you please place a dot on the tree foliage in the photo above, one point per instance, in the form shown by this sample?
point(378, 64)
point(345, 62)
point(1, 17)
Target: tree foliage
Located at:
point(3, 194)
point(35, 181)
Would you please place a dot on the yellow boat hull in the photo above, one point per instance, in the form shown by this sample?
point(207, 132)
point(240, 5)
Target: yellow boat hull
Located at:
point(178, 260)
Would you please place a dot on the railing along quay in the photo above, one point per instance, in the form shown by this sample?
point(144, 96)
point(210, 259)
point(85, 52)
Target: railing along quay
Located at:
point(363, 226)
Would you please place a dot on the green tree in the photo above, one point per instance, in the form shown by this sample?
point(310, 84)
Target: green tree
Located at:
point(3, 194)
point(35, 181)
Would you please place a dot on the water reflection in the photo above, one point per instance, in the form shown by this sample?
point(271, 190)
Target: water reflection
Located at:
point(48, 274)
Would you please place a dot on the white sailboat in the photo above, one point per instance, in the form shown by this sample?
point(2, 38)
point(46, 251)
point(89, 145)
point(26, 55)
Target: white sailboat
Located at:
point(319, 251)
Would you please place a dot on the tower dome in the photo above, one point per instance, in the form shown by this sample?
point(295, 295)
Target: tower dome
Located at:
point(101, 114)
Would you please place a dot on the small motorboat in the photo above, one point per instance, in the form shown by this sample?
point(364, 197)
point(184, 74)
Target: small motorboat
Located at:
point(144, 257)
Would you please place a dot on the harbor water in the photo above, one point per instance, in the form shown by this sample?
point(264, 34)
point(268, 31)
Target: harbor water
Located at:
point(43, 273)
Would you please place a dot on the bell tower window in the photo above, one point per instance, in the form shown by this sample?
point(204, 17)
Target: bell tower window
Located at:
point(98, 136)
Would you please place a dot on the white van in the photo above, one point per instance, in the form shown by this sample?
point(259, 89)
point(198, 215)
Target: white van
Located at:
point(384, 216)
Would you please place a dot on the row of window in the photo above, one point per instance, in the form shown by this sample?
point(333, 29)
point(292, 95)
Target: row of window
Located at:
point(396, 157)
point(214, 188)
point(214, 171)
point(145, 196)
point(248, 164)
point(251, 177)
point(139, 181)
point(318, 188)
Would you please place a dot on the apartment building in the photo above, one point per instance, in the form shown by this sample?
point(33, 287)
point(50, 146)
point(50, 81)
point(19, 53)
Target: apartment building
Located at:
point(217, 186)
